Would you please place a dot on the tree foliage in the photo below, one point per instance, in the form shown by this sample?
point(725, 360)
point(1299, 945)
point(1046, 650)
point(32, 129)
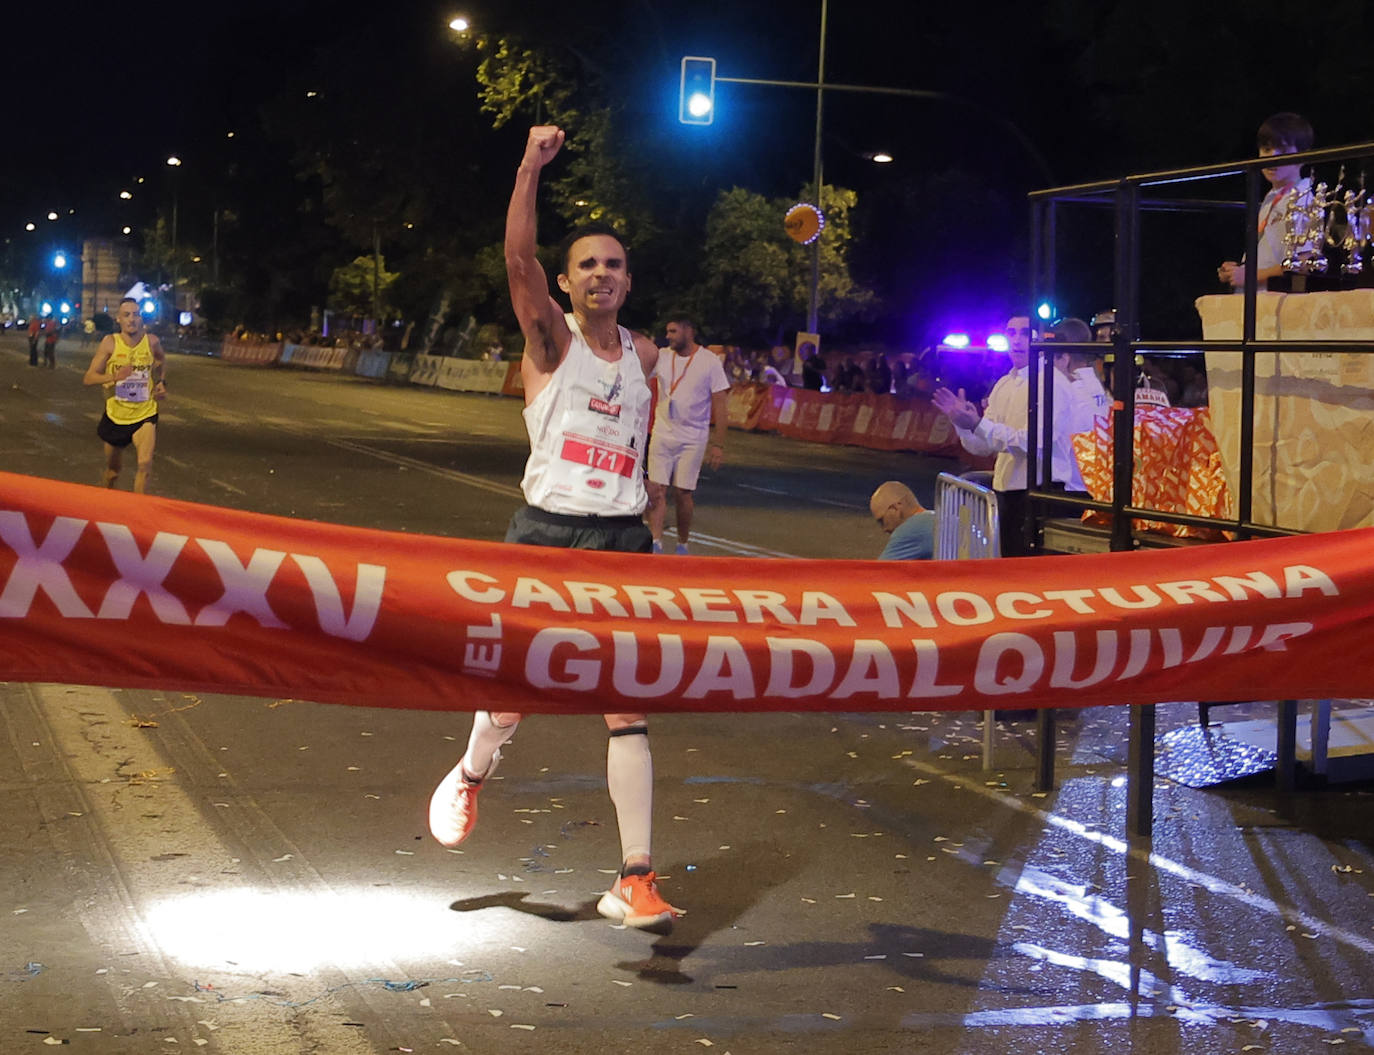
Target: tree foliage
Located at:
point(355, 287)
point(756, 281)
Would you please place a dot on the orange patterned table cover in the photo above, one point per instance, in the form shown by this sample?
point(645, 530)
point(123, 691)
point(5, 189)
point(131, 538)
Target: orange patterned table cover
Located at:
point(1177, 468)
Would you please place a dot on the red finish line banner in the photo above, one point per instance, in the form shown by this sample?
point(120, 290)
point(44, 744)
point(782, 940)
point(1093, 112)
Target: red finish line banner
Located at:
point(110, 588)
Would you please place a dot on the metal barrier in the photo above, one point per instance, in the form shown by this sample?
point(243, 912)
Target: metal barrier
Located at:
point(967, 528)
point(966, 520)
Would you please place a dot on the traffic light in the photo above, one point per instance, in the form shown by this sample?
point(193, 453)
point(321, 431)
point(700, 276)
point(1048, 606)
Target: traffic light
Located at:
point(696, 103)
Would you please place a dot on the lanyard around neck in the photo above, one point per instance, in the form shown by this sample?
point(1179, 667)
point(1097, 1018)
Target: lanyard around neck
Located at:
point(674, 381)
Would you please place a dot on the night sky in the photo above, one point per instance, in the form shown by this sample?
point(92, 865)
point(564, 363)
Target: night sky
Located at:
point(1098, 88)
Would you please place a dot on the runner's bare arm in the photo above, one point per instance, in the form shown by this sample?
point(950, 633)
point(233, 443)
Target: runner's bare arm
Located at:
point(159, 363)
point(541, 321)
point(95, 373)
point(648, 355)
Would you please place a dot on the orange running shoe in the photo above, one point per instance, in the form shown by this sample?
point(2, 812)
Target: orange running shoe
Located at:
point(635, 902)
point(453, 806)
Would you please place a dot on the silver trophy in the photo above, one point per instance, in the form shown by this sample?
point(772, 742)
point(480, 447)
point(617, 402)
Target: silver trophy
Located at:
point(1305, 232)
point(1358, 213)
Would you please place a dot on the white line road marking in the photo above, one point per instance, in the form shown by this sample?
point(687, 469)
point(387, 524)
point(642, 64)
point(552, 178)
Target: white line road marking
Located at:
point(1210, 883)
point(743, 549)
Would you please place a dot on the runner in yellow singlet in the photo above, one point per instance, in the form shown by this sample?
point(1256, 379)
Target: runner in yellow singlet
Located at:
point(131, 366)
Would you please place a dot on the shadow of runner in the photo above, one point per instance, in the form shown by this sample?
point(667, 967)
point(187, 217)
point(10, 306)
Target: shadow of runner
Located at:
point(717, 900)
point(515, 900)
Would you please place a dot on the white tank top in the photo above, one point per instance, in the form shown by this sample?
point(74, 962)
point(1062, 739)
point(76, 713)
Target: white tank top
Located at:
point(587, 430)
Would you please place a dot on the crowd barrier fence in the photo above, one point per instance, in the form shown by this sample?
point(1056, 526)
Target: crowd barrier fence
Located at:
point(878, 422)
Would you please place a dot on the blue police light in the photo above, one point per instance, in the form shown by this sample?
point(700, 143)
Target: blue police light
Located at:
point(59, 260)
point(697, 94)
point(955, 340)
point(65, 308)
point(148, 307)
point(1045, 311)
point(998, 342)
point(45, 310)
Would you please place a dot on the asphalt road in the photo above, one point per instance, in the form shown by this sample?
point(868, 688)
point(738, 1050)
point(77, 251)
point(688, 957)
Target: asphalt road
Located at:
point(254, 876)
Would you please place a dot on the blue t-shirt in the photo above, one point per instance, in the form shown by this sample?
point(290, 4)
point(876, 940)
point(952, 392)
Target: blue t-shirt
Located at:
point(913, 539)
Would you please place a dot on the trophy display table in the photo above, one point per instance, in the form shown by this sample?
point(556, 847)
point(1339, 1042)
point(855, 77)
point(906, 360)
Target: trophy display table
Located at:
point(1314, 431)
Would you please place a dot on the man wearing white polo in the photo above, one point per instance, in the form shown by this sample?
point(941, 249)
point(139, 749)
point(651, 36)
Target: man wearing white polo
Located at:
point(691, 390)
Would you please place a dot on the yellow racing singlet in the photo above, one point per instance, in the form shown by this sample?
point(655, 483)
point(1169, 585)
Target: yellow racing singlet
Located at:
point(132, 400)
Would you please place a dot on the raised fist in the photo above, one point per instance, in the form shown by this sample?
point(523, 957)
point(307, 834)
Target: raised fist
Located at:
point(543, 144)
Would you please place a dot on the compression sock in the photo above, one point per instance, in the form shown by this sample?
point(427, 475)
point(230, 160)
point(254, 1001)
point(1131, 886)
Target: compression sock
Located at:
point(486, 738)
point(630, 780)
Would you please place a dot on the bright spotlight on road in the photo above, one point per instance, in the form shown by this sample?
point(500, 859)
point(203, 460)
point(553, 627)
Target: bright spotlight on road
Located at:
point(298, 930)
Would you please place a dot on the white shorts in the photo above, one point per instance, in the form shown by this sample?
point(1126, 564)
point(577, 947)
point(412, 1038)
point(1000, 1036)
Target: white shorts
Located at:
point(674, 461)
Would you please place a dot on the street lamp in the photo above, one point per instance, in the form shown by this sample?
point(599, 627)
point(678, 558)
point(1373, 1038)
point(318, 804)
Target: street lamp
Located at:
point(174, 163)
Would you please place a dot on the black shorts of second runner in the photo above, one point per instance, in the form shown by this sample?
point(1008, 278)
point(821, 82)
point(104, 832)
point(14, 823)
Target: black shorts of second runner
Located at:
point(538, 527)
point(120, 435)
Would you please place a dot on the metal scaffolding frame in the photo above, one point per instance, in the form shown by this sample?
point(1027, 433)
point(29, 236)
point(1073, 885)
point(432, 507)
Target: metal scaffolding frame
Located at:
point(1128, 198)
